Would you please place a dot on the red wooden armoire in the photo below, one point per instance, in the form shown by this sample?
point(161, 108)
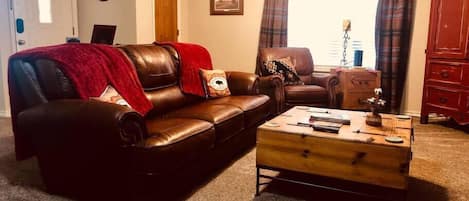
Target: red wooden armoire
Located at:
point(446, 86)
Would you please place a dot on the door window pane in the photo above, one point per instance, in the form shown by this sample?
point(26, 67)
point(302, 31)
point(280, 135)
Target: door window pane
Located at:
point(45, 12)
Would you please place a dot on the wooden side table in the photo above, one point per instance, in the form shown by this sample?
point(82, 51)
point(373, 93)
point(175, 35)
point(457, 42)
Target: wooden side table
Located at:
point(355, 86)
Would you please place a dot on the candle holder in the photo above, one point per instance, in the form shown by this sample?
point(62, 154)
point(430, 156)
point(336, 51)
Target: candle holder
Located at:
point(347, 26)
point(376, 104)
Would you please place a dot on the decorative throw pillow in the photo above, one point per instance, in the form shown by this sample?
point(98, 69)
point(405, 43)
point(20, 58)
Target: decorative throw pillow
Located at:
point(110, 95)
point(285, 68)
point(214, 83)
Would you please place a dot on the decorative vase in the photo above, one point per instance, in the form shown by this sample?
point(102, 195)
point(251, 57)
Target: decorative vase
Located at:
point(374, 118)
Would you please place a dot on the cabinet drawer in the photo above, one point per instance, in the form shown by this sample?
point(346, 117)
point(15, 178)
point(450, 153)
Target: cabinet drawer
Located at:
point(447, 72)
point(443, 97)
point(362, 81)
point(465, 75)
point(465, 102)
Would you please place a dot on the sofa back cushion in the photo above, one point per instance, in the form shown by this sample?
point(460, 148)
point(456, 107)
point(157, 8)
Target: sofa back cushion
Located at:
point(158, 70)
point(39, 78)
point(154, 64)
point(301, 59)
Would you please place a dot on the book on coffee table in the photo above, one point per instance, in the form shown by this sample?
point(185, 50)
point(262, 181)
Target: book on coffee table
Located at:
point(323, 126)
point(333, 118)
point(326, 126)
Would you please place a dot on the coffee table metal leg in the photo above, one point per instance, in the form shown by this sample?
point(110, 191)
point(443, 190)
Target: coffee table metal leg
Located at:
point(330, 188)
point(257, 180)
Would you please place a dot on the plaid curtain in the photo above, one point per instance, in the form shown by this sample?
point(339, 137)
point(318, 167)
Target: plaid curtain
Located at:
point(274, 26)
point(393, 29)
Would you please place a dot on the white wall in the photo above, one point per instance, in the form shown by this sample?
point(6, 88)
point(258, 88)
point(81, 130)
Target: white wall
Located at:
point(5, 51)
point(121, 13)
point(134, 19)
point(413, 92)
point(231, 40)
point(183, 20)
point(145, 21)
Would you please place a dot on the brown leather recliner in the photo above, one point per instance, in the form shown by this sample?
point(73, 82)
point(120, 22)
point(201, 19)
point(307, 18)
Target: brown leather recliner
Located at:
point(318, 90)
point(84, 146)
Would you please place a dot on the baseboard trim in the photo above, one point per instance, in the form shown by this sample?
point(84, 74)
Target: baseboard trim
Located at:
point(5, 114)
point(412, 113)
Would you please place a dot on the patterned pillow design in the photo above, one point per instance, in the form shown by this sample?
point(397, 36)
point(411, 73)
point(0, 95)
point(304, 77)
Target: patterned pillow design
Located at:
point(214, 83)
point(285, 68)
point(111, 95)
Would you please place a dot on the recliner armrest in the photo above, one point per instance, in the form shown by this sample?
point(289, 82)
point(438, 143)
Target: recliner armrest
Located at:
point(325, 80)
point(329, 82)
point(78, 140)
point(106, 123)
point(272, 86)
point(241, 83)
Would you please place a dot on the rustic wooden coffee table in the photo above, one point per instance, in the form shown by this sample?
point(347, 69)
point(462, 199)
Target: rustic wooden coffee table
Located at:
point(364, 156)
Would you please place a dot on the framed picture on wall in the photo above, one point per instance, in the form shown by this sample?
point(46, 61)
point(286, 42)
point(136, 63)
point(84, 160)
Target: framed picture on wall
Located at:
point(226, 7)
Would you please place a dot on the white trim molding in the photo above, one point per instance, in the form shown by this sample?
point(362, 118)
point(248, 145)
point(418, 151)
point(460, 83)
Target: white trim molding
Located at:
point(412, 113)
point(5, 113)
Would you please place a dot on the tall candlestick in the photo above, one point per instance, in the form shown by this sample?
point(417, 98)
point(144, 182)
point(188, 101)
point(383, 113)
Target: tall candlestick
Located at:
point(347, 25)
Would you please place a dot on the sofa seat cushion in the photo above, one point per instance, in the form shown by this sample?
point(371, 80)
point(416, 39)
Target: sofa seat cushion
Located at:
point(172, 143)
point(228, 120)
point(172, 130)
point(255, 108)
point(306, 94)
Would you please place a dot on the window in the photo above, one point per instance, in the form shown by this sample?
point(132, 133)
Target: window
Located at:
point(45, 13)
point(317, 25)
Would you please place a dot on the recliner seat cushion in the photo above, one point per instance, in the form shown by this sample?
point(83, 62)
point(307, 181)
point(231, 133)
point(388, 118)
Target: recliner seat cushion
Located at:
point(255, 108)
point(228, 120)
point(172, 143)
point(311, 94)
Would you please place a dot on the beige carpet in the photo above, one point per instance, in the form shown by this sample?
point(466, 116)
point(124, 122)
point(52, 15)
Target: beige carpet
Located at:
point(439, 172)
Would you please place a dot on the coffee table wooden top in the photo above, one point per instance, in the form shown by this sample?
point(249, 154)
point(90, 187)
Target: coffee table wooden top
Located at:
point(392, 126)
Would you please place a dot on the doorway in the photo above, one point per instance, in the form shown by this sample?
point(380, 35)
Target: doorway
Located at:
point(42, 22)
point(166, 20)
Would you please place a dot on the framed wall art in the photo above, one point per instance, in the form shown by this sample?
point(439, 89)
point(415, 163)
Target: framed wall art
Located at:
point(226, 7)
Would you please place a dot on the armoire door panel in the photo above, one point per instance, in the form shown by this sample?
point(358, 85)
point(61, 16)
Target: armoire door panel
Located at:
point(449, 30)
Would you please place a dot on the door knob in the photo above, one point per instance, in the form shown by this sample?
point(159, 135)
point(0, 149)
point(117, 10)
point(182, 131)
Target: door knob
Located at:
point(21, 42)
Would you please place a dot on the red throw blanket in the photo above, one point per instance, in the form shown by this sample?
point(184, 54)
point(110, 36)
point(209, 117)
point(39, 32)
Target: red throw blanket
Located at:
point(192, 58)
point(91, 68)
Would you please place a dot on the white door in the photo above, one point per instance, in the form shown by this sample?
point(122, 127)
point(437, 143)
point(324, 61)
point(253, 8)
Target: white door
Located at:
point(43, 22)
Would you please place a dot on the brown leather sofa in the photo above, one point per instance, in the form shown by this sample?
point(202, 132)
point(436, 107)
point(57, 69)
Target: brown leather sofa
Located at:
point(88, 147)
point(318, 90)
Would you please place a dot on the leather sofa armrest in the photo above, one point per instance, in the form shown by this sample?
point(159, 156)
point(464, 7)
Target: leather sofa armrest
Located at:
point(272, 86)
point(329, 82)
point(93, 121)
point(79, 141)
point(241, 83)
